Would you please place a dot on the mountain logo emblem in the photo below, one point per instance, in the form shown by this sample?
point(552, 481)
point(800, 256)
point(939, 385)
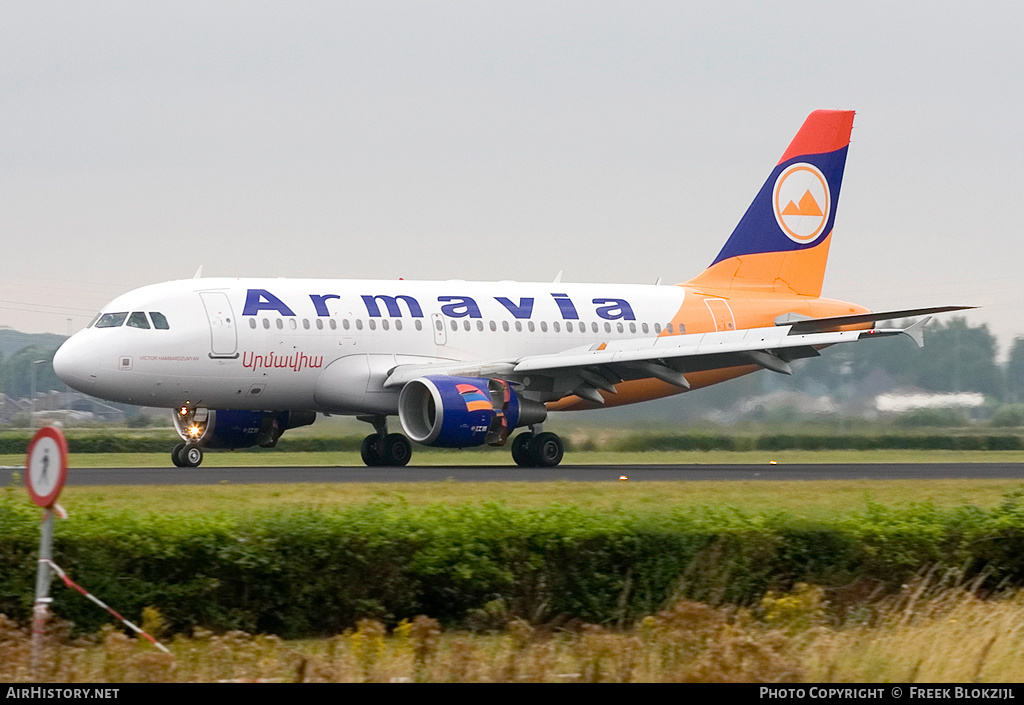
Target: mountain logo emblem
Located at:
point(802, 202)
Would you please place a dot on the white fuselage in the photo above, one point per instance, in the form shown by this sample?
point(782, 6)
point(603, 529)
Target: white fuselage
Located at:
point(325, 345)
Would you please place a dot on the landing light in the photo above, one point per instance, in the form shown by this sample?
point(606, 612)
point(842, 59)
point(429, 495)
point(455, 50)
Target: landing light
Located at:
point(183, 411)
point(194, 430)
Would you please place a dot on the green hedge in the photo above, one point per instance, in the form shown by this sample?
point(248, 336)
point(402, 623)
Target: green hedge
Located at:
point(306, 572)
point(810, 441)
point(889, 442)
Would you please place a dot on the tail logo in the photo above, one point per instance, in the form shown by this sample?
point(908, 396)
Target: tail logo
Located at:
point(802, 202)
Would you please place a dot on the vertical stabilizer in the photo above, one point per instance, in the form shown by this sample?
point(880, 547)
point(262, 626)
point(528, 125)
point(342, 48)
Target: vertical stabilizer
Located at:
point(781, 243)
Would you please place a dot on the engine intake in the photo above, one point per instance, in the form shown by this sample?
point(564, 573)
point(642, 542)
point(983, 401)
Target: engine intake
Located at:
point(460, 412)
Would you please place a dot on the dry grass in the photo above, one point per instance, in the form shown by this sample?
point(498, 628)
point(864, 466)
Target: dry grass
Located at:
point(922, 635)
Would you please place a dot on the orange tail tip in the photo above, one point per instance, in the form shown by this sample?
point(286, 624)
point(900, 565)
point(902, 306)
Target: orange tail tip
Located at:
point(781, 243)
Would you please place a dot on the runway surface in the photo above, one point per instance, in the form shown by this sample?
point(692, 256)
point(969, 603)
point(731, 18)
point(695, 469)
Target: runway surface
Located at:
point(567, 473)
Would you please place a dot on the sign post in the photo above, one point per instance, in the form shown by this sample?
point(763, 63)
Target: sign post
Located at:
point(46, 469)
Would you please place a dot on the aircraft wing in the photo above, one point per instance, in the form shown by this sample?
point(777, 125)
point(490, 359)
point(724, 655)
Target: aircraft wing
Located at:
point(585, 370)
point(804, 324)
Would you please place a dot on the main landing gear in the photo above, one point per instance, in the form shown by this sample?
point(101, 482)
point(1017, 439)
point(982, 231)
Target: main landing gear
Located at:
point(537, 450)
point(186, 456)
point(532, 449)
point(383, 449)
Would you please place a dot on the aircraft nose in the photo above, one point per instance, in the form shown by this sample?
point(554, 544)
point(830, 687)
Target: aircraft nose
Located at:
point(71, 365)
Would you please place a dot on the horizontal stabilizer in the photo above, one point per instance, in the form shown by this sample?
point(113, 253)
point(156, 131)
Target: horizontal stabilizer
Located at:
point(801, 324)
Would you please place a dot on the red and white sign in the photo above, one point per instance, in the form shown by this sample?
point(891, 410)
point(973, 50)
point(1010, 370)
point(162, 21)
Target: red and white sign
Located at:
point(46, 467)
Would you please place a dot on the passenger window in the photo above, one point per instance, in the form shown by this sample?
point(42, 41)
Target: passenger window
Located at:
point(504, 326)
point(568, 327)
point(319, 324)
point(657, 327)
point(280, 324)
point(111, 320)
point(645, 328)
point(266, 323)
point(555, 324)
point(519, 326)
point(359, 324)
point(531, 326)
point(344, 323)
point(398, 324)
point(160, 321)
point(465, 324)
point(252, 322)
point(632, 327)
point(544, 326)
point(593, 327)
point(479, 325)
point(373, 324)
point(305, 323)
point(292, 324)
point(493, 325)
point(334, 324)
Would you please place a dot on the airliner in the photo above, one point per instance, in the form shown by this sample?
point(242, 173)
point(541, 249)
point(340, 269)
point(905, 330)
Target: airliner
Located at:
point(463, 364)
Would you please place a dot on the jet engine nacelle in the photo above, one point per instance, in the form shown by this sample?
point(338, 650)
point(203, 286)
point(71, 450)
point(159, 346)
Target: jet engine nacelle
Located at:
point(230, 428)
point(459, 412)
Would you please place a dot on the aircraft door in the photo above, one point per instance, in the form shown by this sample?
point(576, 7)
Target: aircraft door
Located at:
point(223, 335)
point(721, 314)
point(437, 324)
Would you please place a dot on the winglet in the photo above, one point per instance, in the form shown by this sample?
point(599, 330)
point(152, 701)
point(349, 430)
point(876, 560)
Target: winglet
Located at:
point(916, 331)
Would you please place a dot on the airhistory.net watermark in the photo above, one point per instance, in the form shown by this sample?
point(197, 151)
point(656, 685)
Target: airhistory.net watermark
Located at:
point(30, 692)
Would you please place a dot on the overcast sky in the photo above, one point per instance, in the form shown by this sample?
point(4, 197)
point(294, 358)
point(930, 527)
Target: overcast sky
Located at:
point(615, 141)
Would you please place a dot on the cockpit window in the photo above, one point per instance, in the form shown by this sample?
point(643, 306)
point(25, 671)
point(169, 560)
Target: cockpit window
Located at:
point(138, 320)
point(93, 321)
point(111, 320)
point(159, 320)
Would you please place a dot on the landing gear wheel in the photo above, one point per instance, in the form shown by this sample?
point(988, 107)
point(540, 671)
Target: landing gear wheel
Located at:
point(521, 450)
point(546, 450)
point(191, 456)
point(371, 451)
point(176, 455)
point(397, 450)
